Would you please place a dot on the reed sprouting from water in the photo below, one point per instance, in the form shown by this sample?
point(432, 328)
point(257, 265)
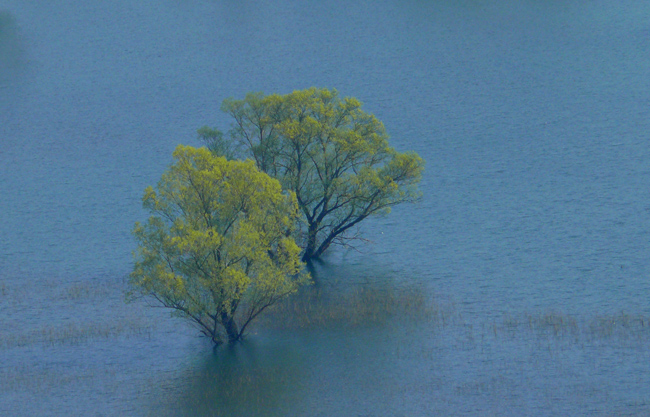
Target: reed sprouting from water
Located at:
point(359, 306)
point(620, 326)
point(76, 333)
point(77, 313)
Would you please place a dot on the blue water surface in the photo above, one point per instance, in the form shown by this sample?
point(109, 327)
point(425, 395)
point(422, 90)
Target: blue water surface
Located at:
point(533, 119)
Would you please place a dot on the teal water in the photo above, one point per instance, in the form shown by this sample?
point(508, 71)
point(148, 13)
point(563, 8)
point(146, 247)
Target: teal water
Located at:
point(533, 120)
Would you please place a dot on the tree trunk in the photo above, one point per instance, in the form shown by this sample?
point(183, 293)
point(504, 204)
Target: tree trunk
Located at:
point(216, 339)
point(308, 254)
point(311, 242)
point(322, 248)
point(230, 325)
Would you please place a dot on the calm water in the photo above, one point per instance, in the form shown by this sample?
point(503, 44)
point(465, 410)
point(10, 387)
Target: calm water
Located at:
point(531, 238)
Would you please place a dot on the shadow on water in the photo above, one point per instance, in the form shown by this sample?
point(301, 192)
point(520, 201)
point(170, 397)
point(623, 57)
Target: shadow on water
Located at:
point(300, 352)
point(250, 378)
point(366, 343)
point(11, 48)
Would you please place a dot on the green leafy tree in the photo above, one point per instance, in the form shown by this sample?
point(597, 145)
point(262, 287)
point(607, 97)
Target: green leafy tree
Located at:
point(216, 248)
point(334, 156)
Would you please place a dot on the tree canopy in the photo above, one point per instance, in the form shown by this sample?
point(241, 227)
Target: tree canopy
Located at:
point(329, 152)
point(216, 248)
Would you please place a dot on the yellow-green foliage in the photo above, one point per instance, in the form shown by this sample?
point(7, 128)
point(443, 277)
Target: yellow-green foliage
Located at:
point(216, 243)
point(334, 156)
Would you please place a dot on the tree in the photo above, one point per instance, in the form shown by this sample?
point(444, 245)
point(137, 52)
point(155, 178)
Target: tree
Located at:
point(334, 156)
point(215, 249)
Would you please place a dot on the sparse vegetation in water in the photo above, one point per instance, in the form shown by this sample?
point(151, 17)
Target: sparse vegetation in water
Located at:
point(357, 306)
point(84, 290)
point(553, 324)
point(76, 333)
point(72, 318)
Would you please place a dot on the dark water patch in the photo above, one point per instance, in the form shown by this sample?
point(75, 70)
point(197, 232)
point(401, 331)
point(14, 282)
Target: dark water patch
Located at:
point(12, 50)
point(253, 378)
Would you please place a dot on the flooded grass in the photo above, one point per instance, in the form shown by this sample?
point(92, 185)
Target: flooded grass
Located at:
point(552, 324)
point(362, 306)
point(405, 328)
point(22, 378)
point(21, 292)
point(359, 306)
point(319, 307)
point(77, 333)
point(84, 290)
point(621, 325)
point(73, 315)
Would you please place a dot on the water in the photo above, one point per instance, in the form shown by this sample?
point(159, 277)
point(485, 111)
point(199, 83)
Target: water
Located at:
point(531, 237)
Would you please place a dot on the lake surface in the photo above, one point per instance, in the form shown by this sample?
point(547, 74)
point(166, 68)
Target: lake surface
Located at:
point(519, 285)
